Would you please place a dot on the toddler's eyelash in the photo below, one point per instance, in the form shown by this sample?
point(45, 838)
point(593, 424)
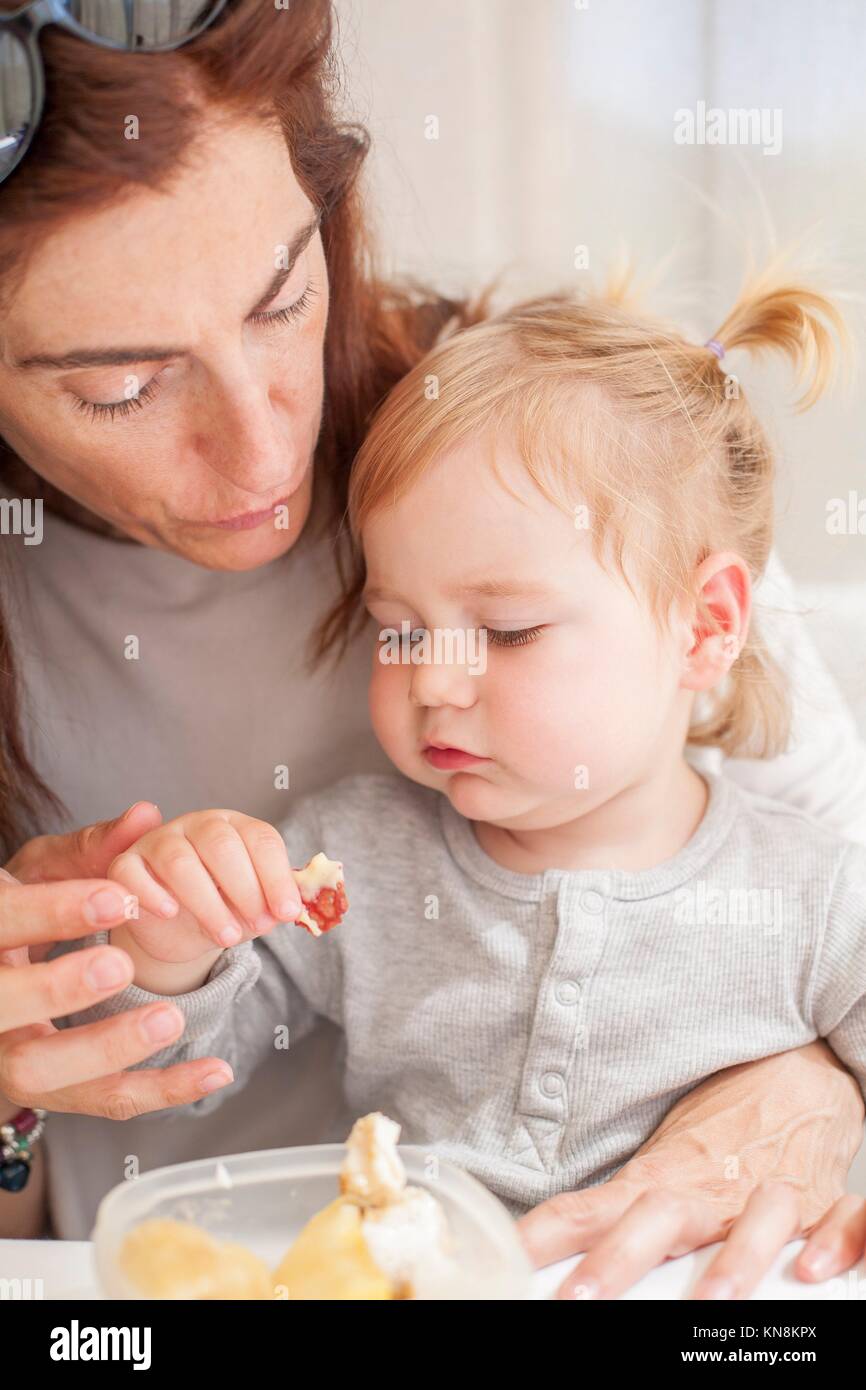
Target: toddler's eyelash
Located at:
point(518, 638)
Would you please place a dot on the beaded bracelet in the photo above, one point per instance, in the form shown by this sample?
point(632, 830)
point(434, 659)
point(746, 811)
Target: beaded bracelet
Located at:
point(17, 1138)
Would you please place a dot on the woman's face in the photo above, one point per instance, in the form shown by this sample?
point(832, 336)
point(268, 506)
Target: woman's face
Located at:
point(162, 361)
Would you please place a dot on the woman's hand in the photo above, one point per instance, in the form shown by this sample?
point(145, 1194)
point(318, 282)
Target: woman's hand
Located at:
point(55, 889)
point(754, 1156)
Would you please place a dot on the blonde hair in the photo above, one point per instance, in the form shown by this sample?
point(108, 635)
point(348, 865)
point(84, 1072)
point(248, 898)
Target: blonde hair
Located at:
point(647, 427)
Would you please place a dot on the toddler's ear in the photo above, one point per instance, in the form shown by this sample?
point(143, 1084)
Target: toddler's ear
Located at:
point(723, 609)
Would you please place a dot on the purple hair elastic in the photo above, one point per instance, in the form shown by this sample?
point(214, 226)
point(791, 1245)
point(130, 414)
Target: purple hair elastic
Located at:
point(715, 346)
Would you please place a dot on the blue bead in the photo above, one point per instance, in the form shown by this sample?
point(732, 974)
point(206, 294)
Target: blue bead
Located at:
point(14, 1175)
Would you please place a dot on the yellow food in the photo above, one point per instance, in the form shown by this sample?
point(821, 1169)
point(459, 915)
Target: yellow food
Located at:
point(330, 1260)
point(175, 1259)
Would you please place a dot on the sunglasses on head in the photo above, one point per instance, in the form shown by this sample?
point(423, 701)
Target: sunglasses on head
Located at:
point(135, 26)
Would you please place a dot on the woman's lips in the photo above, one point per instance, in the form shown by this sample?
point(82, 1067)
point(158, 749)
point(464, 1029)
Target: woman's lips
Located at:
point(450, 759)
point(248, 520)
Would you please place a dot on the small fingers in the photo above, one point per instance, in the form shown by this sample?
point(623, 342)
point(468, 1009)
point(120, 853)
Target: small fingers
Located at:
point(132, 873)
point(227, 859)
point(267, 850)
point(770, 1218)
point(174, 861)
point(836, 1243)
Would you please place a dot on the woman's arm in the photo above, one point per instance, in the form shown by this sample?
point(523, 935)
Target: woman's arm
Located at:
point(754, 1156)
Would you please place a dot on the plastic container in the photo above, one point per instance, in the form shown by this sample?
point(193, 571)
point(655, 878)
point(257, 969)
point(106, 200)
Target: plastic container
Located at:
point(261, 1200)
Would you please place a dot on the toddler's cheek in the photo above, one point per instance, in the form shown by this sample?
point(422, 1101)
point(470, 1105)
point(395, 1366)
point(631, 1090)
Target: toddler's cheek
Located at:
point(391, 712)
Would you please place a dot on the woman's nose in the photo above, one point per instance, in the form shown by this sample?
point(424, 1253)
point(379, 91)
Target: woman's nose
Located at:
point(250, 442)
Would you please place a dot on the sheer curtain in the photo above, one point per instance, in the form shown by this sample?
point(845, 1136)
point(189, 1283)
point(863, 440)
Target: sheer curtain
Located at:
point(541, 137)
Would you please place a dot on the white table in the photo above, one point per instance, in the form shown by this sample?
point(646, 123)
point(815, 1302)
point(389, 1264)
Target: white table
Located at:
point(66, 1270)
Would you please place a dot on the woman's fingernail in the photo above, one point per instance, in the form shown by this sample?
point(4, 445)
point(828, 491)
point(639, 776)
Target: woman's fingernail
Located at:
point(103, 906)
point(162, 1025)
point(289, 909)
point(818, 1260)
point(230, 937)
point(216, 1079)
point(106, 972)
point(716, 1289)
point(585, 1290)
point(168, 907)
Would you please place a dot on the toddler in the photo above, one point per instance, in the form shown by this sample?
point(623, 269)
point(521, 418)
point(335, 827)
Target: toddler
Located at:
point(558, 926)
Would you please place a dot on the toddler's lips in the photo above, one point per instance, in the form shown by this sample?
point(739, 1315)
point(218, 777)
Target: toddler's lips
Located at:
point(450, 759)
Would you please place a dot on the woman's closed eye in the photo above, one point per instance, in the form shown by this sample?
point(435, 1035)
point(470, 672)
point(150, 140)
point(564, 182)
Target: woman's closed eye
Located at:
point(136, 400)
point(290, 312)
point(139, 396)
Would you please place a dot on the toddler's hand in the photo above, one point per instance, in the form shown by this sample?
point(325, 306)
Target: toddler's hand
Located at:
point(206, 881)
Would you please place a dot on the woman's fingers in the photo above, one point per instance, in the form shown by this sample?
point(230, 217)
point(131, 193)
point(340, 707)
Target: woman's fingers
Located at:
point(63, 986)
point(836, 1243)
point(770, 1218)
point(39, 912)
point(267, 850)
point(659, 1224)
point(31, 1067)
point(570, 1222)
point(123, 1095)
point(84, 853)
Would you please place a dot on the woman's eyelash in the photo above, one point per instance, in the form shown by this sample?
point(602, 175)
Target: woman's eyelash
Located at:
point(96, 411)
point(112, 409)
point(518, 638)
point(291, 312)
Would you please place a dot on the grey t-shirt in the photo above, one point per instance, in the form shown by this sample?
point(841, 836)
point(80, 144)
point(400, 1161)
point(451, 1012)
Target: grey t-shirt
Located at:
point(536, 1028)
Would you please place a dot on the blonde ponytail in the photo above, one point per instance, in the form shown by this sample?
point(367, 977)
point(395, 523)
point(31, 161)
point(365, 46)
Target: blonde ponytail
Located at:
point(775, 313)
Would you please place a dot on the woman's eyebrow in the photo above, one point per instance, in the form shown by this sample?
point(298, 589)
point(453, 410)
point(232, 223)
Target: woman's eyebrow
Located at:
point(127, 356)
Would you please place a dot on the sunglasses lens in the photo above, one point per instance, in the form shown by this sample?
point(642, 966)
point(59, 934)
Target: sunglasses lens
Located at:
point(16, 100)
point(144, 24)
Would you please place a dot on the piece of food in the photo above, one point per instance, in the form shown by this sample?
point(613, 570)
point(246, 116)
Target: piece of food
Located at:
point(176, 1259)
point(330, 1260)
point(372, 1171)
point(408, 1239)
point(322, 893)
point(380, 1238)
point(404, 1227)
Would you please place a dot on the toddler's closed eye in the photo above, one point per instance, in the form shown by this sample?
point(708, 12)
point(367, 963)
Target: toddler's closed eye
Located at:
point(516, 637)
